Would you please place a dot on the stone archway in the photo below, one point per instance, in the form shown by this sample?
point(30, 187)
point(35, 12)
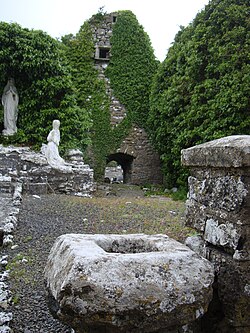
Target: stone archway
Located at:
point(126, 162)
point(139, 161)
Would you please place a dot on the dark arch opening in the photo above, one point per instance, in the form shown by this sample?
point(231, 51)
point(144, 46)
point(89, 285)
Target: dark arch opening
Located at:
point(126, 162)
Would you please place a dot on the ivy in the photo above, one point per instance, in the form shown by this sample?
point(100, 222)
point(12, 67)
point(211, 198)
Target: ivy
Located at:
point(130, 70)
point(201, 90)
point(44, 83)
point(91, 95)
point(132, 66)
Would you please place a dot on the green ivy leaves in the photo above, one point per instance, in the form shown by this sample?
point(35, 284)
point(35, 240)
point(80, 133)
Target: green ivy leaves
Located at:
point(201, 90)
point(44, 82)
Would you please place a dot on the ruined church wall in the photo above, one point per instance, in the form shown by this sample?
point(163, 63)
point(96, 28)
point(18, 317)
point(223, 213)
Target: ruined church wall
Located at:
point(23, 165)
point(102, 32)
point(146, 166)
point(218, 207)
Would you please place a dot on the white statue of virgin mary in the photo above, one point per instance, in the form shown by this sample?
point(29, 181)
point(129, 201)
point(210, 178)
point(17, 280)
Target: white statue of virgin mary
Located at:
point(10, 101)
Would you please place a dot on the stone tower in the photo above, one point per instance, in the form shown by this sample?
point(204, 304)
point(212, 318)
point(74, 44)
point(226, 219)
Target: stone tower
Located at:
point(139, 161)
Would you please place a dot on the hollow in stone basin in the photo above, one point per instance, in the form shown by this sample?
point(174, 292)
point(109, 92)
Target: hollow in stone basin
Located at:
point(126, 283)
point(128, 245)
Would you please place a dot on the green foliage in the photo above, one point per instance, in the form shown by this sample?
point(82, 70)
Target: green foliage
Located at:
point(160, 190)
point(132, 66)
point(98, 17)
point(44, 84)
point(201, 90)
point(91, 95)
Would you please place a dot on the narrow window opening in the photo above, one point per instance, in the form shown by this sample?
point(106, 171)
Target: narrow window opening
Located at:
point(103, 53)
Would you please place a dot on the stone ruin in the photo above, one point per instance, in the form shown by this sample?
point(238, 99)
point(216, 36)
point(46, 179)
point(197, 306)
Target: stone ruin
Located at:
point(31, 169)
point(218, 207)
point(139, 283)
point(139, 160)
point(25, 171)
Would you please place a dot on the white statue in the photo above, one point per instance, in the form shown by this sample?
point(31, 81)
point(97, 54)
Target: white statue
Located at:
point(52, 153)
point(10, 101)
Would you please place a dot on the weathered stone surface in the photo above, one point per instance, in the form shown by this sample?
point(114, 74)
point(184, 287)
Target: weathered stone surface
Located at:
point(218, 206)
point(140, 163)
point(9, 202)
point(32, 169)
point(221, 234)
point(197, 244)
point(231, 151)
point(233, 290)
point(210, 190)
point(126, 283)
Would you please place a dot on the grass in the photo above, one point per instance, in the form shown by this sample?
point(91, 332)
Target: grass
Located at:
point(131, 215)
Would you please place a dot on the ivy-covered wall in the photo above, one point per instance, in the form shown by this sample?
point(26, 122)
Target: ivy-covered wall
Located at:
point(132, 66)
point(130, 70)
point(91, 95)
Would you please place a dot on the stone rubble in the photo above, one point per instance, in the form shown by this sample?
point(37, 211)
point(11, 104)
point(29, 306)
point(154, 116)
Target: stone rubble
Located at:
point(24, 170)
point(37, 177)
point(10, 200)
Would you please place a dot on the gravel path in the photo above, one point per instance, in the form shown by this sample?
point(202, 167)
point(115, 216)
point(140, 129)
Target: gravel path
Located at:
point(41, 221)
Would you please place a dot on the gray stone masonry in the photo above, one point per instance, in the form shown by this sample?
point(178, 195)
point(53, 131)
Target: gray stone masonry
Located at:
point(32, 170)
point(218, 207)
point(102, 33)
point(146, 165)
point(145, 168)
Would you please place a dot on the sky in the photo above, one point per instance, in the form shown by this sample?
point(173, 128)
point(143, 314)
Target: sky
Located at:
point(161, 19)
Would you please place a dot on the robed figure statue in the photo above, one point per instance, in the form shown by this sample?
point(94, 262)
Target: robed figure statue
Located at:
point(10, 101)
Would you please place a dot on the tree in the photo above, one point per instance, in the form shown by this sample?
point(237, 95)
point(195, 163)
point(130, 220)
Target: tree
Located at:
point(37, 63)
point(201, 90)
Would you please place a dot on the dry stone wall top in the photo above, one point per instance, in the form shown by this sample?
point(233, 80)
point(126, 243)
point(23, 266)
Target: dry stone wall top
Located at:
point(231, 151)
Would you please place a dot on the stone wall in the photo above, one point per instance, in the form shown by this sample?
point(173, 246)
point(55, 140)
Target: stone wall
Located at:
point(218, 207)
point(116, 108)
point(140, 162)
point(23, 165)
point(101, 35)
point(144, 163)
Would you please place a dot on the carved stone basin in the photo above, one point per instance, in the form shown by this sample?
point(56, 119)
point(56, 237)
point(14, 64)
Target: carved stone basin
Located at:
point(126, 283)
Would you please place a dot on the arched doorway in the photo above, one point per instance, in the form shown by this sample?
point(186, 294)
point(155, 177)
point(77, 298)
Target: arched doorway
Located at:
point(126, 162)
point(113, 173)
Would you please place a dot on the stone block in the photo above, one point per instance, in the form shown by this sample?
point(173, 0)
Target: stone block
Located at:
point(218, 206)
point(233, 286)
point(126, 283)
point(230, 151)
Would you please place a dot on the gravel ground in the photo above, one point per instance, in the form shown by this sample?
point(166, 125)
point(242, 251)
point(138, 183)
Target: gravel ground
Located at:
point(43, 219)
